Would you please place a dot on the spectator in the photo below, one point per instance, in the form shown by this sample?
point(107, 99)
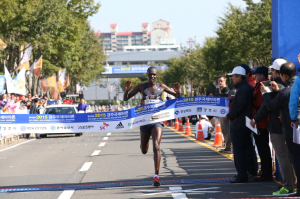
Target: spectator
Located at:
point(82, 106)
point(34, 110)
point(281, 102)
point(207, 128)
point(262, 138)
point(210, 94)
point(240, 134)
point(223, 120)
point(250, 79)
point(277, 135)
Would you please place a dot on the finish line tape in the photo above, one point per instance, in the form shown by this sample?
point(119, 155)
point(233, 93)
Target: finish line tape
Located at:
point(107, 185)
point(112, 121)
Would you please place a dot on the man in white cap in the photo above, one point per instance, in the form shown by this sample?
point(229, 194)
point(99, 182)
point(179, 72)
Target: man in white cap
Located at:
point(207, 127)
point(240, 134)
point(277, 136)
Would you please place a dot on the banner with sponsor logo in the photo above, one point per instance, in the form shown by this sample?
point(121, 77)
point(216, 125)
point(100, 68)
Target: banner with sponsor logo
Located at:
point(114, 121)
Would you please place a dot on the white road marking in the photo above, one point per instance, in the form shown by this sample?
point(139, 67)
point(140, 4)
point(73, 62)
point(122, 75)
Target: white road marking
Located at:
point(102, 144)
point(105, 138)
point(179, 196)
point(180, 191)
point(67, 194)
point(96, 153)
point(108, 134)
point(16, 145)
point(86, 166)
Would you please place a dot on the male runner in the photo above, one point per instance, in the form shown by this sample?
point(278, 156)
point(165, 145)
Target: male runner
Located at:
point(151, 92)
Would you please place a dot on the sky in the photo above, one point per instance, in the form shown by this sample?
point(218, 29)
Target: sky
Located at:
point(194, 19)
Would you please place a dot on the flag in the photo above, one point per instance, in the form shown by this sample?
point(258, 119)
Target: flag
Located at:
point(32, 66)
point(26, 66)
point(49, 82)
point(19, 83)
point(67, 82)
point(2, 45)
point(2, 82)
point(26, 55)
point(38, 67)
point(16, 85)
point(9, 80)
point(61, 79)
point(55, 93)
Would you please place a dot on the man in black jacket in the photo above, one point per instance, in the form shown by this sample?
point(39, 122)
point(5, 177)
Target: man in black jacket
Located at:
point(34, 110)
point(240, 134)
point(281, 102)
point(277, 136)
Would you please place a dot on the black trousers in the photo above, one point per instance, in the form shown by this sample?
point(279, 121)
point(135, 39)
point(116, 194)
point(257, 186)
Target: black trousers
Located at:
point(294, 150)
point(243, 151)
point(263, 148)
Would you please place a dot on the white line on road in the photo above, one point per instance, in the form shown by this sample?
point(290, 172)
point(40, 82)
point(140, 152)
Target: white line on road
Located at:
point(86, 166)
point(102, 144)
point(108, 134)
point(105, 138)
point(67, 194)
point(16, 145)
point(96, 153)
point(178, 195)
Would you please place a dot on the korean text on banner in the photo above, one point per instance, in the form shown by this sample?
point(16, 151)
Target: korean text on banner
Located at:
point(117, 120)
point(38, 67)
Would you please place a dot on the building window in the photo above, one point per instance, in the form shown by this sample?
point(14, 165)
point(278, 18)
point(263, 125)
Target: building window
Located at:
point(119, 49)
point(119, 37)
point(119, 45)
point(125, 37)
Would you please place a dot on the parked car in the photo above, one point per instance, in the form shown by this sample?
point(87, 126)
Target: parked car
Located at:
point(60, 109)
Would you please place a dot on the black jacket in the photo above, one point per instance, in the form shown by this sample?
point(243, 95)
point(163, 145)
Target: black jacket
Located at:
point(33, 109)
point(241, 105)
point(281, 103)
point(274, 124)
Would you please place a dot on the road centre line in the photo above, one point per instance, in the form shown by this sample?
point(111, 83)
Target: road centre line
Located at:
point(102, 144)
point(105, 138)
point(67, 194)
point(86, 166)
point(179, 196)
point(16, 145)
point(108, 134)
point(96, 153)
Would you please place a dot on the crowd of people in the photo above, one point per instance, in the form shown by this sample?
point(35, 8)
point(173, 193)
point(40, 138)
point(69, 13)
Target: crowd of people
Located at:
point(271, 104)
point(13, 103)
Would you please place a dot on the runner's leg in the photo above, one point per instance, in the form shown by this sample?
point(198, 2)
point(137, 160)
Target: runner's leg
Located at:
point(145, 137)
point(156, 133)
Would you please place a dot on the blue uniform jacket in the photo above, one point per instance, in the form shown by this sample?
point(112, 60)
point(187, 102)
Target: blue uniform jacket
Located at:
point(294, 98)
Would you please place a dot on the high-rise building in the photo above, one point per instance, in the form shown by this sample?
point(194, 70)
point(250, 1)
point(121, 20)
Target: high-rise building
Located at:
point(115, 40)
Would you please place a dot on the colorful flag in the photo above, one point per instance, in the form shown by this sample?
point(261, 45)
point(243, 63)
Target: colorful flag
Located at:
point(18, 84)
point(2, 45)
point(49, 82)
point(26, 55)
point(55, 93)
point(9, 80)
point(2, 82)
point(38, 67)
point(61, 79)
point(26, 66)
point(67, 82)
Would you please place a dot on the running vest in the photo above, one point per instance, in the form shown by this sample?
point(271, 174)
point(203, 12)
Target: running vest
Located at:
point(151, 97)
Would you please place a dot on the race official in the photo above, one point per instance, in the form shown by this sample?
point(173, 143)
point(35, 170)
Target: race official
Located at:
point(240, 134)
point(82, 106)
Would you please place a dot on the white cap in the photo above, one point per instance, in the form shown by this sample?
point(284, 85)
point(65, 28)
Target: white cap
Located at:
point(278, 63)
point(204, 117)
point(238, 71)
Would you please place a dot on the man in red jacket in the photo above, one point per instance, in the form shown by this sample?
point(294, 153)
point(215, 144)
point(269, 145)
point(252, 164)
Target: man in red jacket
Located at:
point(262, 138)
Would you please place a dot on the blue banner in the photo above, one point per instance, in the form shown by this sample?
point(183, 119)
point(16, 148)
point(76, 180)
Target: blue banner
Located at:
point(113, 121)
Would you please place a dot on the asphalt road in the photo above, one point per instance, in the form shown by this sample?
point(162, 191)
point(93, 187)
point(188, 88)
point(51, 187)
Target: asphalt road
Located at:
point(67, 161)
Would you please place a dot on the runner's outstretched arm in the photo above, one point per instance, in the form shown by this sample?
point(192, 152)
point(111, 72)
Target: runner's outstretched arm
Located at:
point(175, 92)
point(128, 87)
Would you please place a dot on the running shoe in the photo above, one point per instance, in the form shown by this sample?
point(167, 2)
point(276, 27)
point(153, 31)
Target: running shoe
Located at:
point(283, 192)
point(156, 182)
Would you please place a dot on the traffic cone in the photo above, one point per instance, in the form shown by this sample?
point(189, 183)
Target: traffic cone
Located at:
point(165, 122)
point(218, 136)
point(200, 135)
point(188, 127)
point(180, 125)
point(176, 124)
